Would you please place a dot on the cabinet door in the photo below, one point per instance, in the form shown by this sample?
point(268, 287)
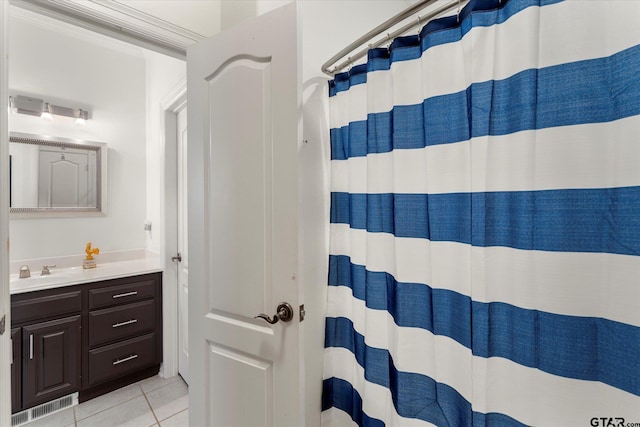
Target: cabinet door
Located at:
point(16, 371)
point(51, 354)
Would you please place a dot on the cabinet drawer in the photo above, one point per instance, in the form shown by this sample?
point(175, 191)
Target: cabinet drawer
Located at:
point(110, 324)
point(121, 294)
point(114, 360)
point(28, 307)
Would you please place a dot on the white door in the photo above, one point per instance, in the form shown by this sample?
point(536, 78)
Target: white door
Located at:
point(243, 95)
point(183, 250)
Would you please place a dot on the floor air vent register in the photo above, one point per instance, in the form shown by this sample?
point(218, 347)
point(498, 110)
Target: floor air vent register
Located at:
point(32, 414)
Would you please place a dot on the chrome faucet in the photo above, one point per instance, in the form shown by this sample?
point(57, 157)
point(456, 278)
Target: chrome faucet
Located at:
point(45, 270)
point(25, 272)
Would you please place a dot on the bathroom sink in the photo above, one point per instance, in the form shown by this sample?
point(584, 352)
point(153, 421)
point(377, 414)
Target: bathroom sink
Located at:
point(36, 280)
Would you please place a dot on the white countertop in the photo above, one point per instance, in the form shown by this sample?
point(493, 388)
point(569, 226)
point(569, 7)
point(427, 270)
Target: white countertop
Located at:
point(77, 275)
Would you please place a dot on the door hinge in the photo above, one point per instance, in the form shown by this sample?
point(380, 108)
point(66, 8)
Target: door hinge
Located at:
point(3, 322)
point(302, 312)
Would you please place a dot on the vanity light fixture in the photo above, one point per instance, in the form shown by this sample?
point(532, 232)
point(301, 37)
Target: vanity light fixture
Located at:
point(37, 107)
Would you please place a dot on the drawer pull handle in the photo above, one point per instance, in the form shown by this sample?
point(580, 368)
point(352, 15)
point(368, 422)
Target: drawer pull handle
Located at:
point(31, 347)
point(126, 359)
point(126, 294)
point(128, 322)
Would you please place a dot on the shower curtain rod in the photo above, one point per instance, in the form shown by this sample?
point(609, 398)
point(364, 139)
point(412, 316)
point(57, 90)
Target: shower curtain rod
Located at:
point(422, 20)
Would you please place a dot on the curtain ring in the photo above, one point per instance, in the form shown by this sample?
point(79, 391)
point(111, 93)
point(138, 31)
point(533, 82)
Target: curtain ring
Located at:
point(458, 14)
point(419, 27)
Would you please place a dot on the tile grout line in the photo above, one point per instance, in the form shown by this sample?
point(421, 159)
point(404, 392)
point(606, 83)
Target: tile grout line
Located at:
point(109, 407)
point(150, 407)
point(99, 412)
point(176, 414)
point(163, 386)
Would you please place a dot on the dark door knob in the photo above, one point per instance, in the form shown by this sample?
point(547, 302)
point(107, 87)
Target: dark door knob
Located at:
point(284, 312)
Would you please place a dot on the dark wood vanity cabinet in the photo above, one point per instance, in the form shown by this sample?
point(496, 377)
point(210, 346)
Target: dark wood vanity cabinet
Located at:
point(47, 345)
point(90, 338)
point(124, 324)
point(50, 362)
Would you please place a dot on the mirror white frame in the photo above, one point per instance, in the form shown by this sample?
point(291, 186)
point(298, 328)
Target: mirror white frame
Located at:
point(100, 149)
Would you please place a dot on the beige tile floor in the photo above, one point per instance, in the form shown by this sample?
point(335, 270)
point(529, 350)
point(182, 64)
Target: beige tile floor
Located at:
point(154, 402)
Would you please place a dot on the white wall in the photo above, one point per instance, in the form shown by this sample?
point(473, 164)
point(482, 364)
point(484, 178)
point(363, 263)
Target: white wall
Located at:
point(109, 79)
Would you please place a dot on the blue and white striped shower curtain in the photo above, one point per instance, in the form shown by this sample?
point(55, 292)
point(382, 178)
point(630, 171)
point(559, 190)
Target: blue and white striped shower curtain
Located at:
point(485, 222)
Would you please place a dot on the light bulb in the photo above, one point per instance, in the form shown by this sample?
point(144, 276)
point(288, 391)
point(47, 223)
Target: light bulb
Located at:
point(12, 106)
point(46, 113)
point(80, 118)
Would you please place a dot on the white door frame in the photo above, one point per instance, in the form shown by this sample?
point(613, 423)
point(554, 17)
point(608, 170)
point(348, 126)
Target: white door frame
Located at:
point(171, 104)
point(5, 303)
point(182, 227)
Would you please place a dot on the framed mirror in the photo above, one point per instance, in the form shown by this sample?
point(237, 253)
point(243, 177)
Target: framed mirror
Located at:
point(52, 176)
